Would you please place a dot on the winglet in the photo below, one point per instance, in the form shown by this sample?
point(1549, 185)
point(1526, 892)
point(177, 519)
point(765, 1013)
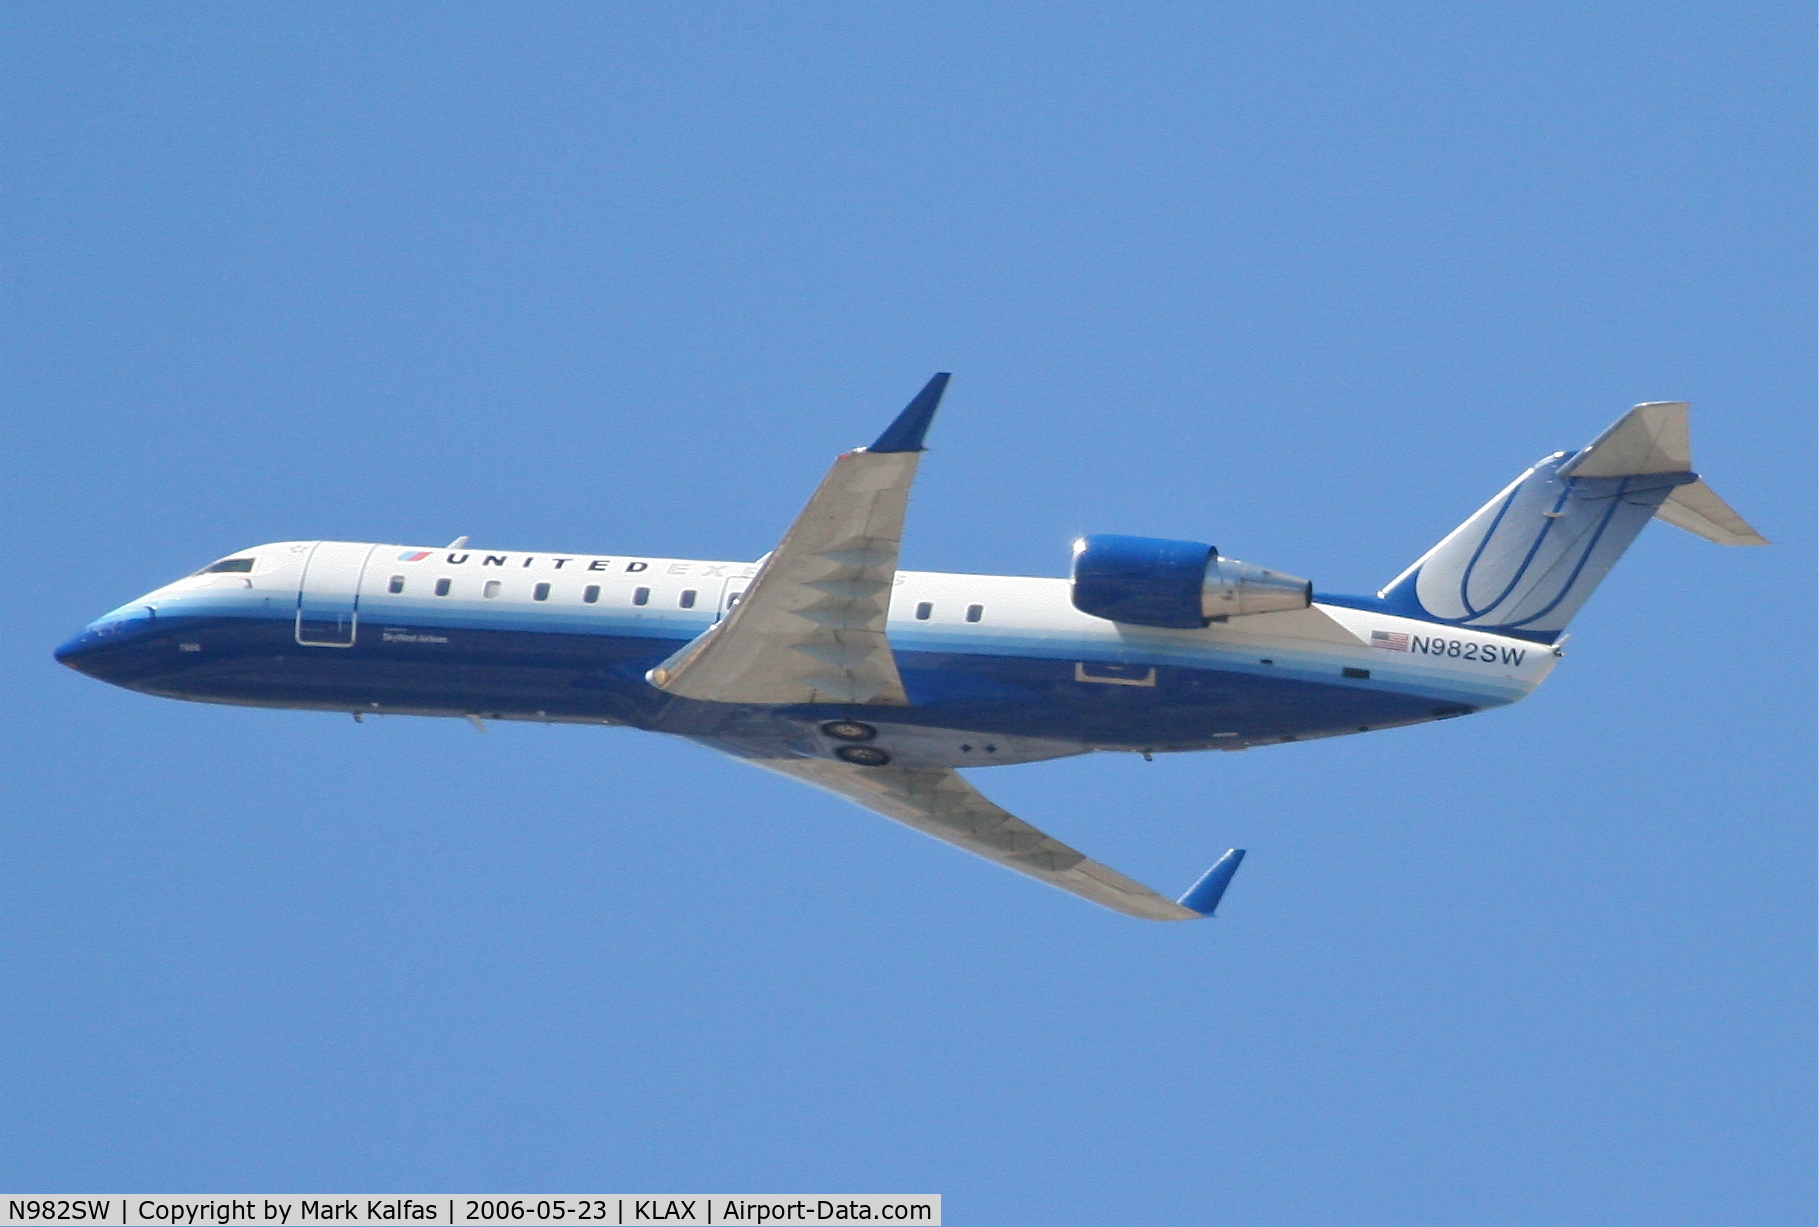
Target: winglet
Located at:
point(1203, 896)
point(905, 434)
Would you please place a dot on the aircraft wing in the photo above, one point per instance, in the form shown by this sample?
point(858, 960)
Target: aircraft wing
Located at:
point(810, 628)
point(938, 802)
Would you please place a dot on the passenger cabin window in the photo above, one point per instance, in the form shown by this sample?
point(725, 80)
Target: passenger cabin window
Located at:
point(396, 586)
point(491, 590)
point(974, 612)
point(442, 587)
point(591, 593)
point(641, 596)
point(923, 610)
point(687, 599)
point(540, 592)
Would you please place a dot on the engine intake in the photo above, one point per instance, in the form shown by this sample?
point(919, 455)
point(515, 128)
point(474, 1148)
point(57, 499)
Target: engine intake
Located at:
point(1151, 582)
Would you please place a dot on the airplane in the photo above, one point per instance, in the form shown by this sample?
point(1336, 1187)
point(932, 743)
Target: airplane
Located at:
point(824, 662)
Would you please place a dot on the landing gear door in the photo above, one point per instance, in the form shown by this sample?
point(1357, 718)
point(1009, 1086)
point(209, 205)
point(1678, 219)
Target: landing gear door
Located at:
point(729, 595)
point(328, 596)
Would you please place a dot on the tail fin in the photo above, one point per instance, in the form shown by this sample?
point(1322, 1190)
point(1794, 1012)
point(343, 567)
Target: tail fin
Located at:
point(1529, 558)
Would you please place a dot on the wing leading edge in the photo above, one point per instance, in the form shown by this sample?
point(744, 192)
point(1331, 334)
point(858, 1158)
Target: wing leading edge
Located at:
point(938, 802)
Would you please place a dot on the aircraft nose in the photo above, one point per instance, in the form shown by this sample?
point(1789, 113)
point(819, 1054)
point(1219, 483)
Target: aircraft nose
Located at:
point(79, 649)
point(103, 648)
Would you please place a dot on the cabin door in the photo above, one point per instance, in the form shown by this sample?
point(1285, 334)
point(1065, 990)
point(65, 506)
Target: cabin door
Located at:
point(328, 597)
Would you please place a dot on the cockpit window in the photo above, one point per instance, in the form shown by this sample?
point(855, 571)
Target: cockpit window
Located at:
point(227, 564)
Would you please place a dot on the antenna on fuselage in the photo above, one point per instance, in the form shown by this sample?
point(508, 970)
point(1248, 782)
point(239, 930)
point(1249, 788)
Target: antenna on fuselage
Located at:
point(457, 543)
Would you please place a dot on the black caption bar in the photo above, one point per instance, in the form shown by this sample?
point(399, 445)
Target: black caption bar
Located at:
point(450, 1210)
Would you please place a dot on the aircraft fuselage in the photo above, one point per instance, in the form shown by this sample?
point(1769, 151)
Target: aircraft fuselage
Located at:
point(998, 669)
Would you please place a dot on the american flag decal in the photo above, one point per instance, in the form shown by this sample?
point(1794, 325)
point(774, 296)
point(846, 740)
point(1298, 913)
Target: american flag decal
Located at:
point(1395, 641)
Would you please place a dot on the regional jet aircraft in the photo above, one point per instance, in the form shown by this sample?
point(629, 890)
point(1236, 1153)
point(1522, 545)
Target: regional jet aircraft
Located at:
point(824, 662)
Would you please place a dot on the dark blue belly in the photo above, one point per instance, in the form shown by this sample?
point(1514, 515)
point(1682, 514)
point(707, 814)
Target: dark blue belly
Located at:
point(510, 674)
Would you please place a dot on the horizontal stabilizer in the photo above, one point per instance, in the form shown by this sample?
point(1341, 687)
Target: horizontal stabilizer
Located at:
point(1203, 896)
point(1651, 438)
point(1700, 511)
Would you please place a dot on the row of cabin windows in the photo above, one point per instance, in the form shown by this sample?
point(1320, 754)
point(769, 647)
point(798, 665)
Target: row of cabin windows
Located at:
point(589, 594)
point(642, 596)
point(926, 610)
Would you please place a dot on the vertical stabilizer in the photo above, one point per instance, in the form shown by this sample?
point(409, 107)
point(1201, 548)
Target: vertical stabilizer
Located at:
point(1529, 558)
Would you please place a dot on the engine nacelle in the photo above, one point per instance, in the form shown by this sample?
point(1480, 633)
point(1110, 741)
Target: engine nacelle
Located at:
point(1151, 582)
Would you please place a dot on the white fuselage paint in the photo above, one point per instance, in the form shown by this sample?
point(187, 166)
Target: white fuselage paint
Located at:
point(1020, 616)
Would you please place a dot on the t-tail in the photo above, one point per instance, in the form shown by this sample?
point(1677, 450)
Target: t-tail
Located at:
point(1529, 558)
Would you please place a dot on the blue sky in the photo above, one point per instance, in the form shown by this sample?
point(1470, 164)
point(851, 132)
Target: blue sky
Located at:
point(1307, 281)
